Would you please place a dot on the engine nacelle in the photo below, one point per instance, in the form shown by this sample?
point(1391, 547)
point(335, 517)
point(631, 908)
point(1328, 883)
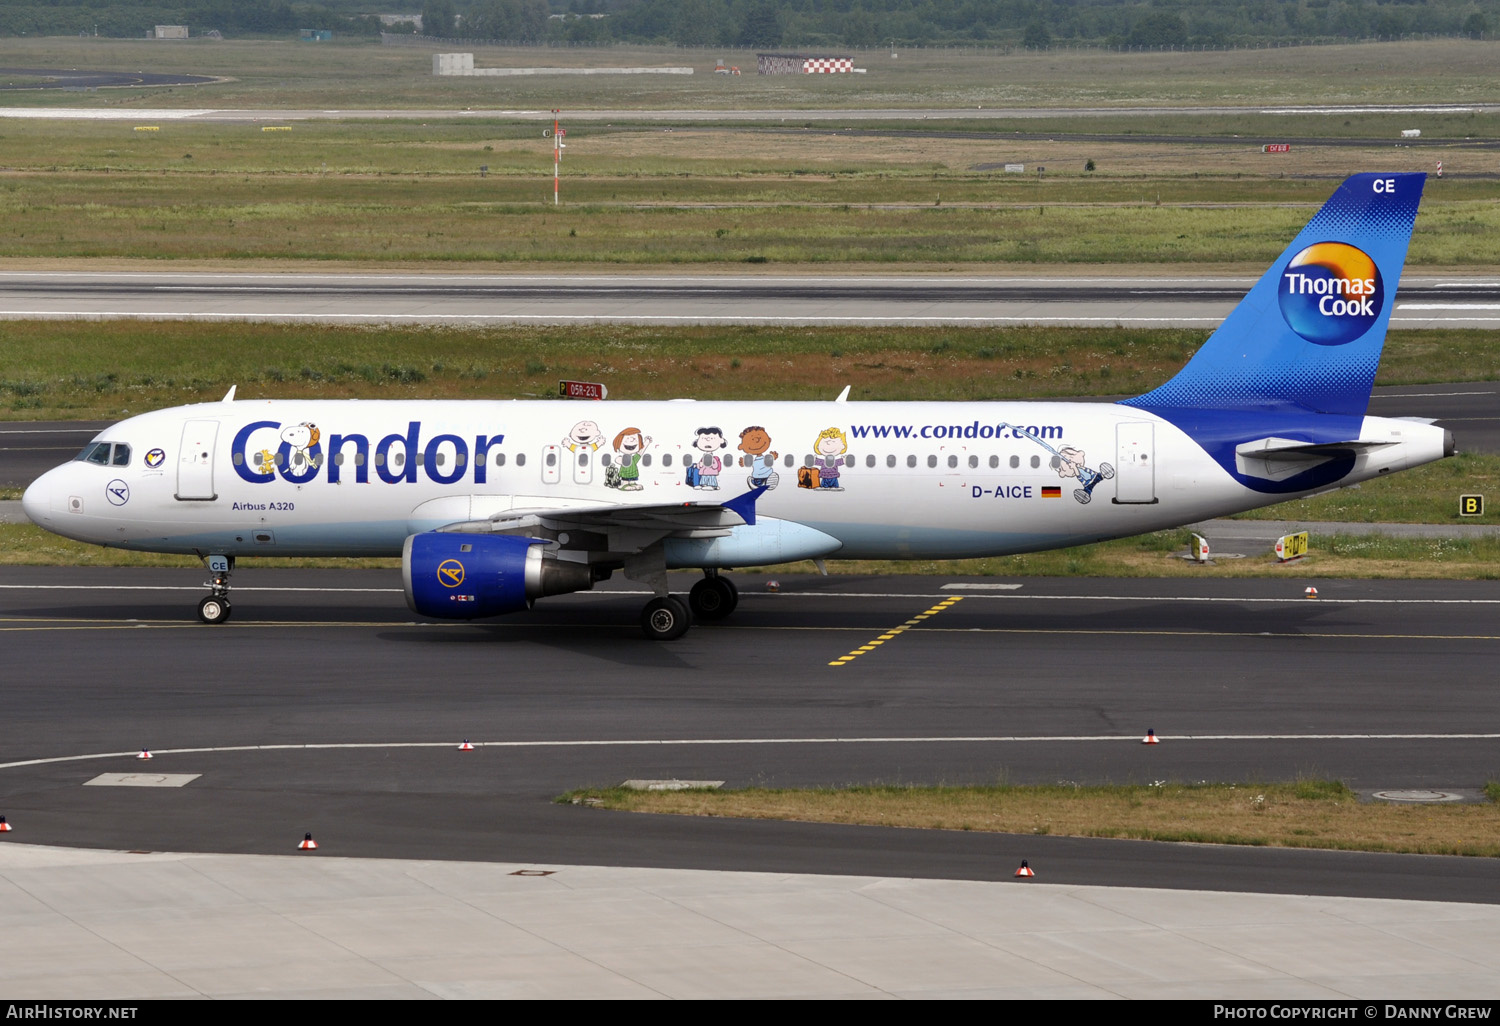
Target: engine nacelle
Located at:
point(468, 576)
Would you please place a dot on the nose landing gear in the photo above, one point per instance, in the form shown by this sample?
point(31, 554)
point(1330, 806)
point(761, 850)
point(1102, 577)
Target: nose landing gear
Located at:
point(215, 608)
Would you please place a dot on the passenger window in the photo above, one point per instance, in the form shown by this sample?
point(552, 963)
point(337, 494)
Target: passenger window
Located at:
point(1036, 461)
point(552, 459)
point(646, 459)
point(911, 461)
point(666, 460)
point(400, 459)
point(583, 459)
point(499, 459)
point(441, 458)
point(807, 460)
point(952, 462)
point(932, 461)
point(604, 458)
point(462, 460)
point(1015, 461)
point(380, 459)
point(849, 461)
point(520, 459)
point(122, 456)
point(973, 462)
point(994, 462)
point(239, 459)
point(890, 461)
point(789, 460)
point(359, 459)
point(338, 459)
point(869, 460)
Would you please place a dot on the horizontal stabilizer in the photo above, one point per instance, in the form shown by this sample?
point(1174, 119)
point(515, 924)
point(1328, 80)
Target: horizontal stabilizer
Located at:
point(1274, 459)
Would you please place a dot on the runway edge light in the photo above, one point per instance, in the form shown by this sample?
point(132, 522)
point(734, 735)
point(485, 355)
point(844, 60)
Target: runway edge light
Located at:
point(308, 844)
point(4, 826)
point(145, 754)
point(1025, 870)
point(1311, 592)
point(1150, 738)
point(466, 747)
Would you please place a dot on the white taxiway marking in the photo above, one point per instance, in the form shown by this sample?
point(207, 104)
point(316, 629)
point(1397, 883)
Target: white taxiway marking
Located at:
point(1448, 306)
point(721, 741)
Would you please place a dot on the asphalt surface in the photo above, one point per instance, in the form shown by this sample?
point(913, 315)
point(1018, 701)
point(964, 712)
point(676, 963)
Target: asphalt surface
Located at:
point(1380, 684)
point(758, 115)
point(1422, 302)
point(1471, 410)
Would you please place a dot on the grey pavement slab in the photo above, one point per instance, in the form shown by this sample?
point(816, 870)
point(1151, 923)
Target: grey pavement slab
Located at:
point(109, 924)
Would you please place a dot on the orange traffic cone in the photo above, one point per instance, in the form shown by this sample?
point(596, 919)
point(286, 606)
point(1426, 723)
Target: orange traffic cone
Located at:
point(466, 747)
point(145, 754)
point(4, 826)
point(1310, 593)
point(1025, 870)
point(1150, 738)
point(308, 844)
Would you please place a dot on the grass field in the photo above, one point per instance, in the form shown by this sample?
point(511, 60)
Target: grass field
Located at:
point(1301, 814)
point(355, 74)
point(86, 370)
point(1174, 188)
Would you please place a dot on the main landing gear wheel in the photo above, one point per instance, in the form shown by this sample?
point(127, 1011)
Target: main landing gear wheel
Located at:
point(213, 609)
point(665, 619)
point(713, 598)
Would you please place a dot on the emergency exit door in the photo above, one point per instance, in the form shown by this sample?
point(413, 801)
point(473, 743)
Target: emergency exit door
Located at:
point(1135, 462)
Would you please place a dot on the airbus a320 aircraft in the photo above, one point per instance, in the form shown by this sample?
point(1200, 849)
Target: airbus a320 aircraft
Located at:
point(492, 505)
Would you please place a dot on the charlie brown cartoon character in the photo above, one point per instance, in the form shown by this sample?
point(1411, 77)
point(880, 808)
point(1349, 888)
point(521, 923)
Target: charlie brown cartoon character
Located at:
point(755, 443)
point(629, 445)
point(585, 435)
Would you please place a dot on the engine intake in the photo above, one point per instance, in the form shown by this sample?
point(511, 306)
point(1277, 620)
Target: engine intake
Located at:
point(468, 576)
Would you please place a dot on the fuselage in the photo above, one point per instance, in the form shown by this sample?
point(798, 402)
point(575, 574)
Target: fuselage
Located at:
point(885, 480)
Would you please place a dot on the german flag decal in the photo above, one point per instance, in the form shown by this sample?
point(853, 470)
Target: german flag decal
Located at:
point(1051, 493)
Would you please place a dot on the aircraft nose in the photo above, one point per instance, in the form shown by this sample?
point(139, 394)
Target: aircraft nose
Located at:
point(36, 501)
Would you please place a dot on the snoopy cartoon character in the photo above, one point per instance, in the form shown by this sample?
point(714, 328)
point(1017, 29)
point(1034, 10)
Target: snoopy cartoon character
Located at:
point(300, 437)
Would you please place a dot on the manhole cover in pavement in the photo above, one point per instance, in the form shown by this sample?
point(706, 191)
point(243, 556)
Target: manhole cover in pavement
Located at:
point(1415, 796)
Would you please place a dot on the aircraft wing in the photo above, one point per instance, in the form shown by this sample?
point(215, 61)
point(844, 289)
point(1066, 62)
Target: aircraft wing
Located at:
point(621, 527)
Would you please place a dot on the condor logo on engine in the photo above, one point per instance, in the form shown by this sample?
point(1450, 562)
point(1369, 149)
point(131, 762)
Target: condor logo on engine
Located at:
point(1331, 293)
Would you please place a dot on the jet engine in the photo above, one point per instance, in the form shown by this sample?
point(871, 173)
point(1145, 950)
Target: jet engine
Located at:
point(467, 576)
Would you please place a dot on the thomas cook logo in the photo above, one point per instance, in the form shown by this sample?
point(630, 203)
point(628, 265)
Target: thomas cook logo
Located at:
point(1331, 293)
point(450, 573)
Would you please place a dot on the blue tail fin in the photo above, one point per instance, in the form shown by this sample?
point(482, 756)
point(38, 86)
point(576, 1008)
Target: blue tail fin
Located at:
point(1307, 337)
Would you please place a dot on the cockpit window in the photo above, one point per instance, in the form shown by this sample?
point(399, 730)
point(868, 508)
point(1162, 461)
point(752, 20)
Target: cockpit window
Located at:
point(95, 452)
point(105, 454)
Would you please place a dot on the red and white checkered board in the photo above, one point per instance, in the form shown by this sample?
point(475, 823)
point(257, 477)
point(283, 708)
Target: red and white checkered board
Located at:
point(827, 65)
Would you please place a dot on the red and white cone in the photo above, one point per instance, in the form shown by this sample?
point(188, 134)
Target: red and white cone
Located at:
point(1025, 870)
point(1150, 738)
point(4, 826)
point(308, 844)
point(466, 747)
point(145, 754)
point(1310, 593)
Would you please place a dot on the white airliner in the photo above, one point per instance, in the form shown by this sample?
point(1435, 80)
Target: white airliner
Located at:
point(492, 505)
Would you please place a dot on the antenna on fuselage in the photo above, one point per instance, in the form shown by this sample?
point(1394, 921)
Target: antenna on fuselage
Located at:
point(844, 394)
point(229, 395)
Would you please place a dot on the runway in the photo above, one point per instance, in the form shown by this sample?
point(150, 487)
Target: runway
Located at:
point(717, 115)
point(1422, 302)
point(323, 707)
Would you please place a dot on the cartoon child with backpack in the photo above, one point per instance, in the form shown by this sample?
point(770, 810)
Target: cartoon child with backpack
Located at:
point(704, 474)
